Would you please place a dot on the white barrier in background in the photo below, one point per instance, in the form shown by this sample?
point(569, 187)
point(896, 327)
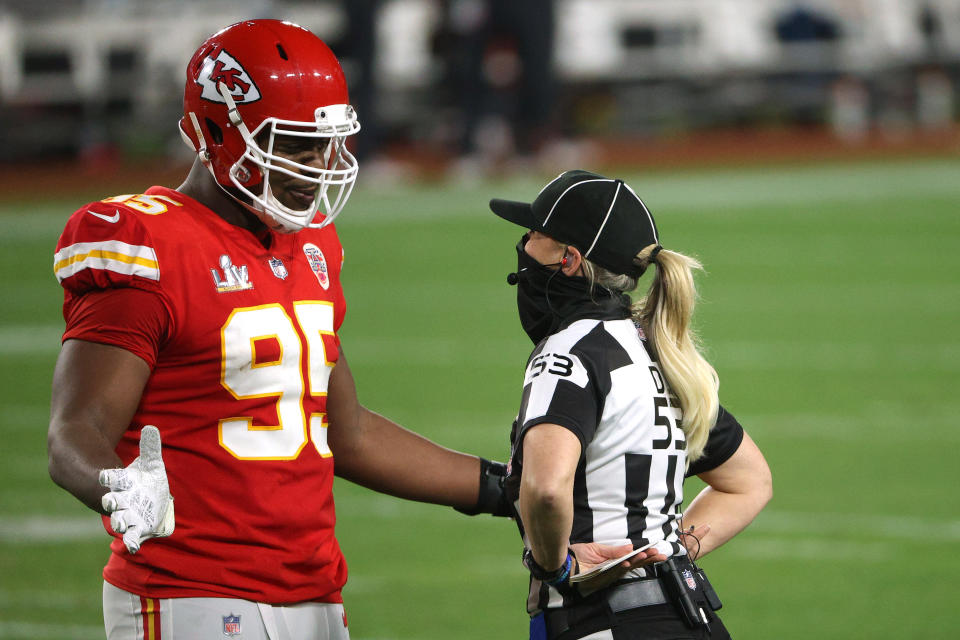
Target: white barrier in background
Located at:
point(690, 38)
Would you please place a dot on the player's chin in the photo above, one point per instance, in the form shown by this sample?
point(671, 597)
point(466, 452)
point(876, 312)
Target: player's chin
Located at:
point(298, 199)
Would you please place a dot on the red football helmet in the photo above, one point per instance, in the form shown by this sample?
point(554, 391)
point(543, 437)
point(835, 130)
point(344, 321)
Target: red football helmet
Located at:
point(258, 79)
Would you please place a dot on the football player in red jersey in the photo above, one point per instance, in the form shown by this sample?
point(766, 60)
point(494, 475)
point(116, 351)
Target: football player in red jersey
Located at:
point(206, 317)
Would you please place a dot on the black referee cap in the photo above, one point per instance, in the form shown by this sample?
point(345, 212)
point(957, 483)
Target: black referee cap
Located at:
point(602, 217)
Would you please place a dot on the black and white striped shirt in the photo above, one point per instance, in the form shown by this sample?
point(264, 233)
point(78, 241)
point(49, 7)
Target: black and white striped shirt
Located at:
point(598, 379)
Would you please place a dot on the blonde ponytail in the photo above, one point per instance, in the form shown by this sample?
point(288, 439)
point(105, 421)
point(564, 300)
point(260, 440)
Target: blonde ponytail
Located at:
point(664, 314)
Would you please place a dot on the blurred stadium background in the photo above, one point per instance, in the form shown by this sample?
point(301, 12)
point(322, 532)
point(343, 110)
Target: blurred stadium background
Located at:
point(807, 152)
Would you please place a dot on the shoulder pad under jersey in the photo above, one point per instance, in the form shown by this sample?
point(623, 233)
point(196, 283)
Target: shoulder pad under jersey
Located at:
point(106, 245)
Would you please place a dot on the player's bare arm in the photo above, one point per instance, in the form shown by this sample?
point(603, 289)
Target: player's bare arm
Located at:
point(379, 454)
point(737, 491)
point(96, 390)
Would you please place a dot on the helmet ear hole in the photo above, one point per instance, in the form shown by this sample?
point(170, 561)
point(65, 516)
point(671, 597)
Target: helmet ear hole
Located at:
point(216, 133)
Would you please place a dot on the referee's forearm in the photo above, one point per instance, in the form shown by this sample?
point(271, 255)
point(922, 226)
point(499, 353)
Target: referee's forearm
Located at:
point(547, 518)
point(737, 491)
point(727, 514)
point(551, 453)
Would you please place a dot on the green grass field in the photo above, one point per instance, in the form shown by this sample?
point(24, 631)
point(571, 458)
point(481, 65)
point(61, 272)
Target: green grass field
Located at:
point(829, 308)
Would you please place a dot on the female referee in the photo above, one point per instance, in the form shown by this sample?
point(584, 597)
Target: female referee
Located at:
point(618, 407)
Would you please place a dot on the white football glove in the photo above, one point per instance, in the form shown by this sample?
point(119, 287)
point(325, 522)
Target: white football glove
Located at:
point(139, 501)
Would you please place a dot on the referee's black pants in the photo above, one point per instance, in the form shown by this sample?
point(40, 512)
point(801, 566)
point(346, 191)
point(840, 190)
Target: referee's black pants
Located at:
point(653, 622)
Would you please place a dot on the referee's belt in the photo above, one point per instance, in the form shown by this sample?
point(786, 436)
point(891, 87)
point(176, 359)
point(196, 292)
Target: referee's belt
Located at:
point(633, 595)
point(622, 597)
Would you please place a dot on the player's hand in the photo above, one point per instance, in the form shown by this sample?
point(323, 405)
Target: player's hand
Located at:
point(590, 554)
point(139, 501)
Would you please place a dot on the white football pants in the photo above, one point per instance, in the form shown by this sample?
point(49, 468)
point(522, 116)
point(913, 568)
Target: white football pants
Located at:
point(127, 616)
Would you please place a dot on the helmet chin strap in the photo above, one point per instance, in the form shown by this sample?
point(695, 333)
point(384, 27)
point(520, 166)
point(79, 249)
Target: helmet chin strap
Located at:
point(234, 116)
point(201, 147)
point(261, 215)
point(232, 112)
point(257, 208)
point(268, 197)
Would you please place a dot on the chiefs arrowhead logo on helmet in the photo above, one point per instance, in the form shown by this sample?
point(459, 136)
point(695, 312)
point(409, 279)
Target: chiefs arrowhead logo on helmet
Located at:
point(224, 68)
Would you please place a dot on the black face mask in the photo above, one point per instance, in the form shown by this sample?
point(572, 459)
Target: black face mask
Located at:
point(545, 297)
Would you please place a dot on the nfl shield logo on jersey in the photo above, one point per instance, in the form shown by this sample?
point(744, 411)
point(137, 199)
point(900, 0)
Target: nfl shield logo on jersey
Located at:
point(231, 625)
point(688, 578)
point(278, 268)
point(318, 264)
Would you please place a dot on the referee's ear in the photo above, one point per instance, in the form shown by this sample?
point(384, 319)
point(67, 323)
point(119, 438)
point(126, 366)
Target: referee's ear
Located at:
point(574, 260)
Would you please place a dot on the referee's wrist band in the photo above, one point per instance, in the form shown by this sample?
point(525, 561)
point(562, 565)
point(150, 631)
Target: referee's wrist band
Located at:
point(564, 572)
point(552, 578)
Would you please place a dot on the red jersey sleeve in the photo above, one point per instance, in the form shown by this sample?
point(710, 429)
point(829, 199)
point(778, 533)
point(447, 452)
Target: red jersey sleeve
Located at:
point(128, 318)
point(103, 246)
point(107, 264)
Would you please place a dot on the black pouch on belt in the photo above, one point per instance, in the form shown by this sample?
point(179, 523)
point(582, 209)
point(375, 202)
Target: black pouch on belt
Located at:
point(689, 590)
point(712, 598)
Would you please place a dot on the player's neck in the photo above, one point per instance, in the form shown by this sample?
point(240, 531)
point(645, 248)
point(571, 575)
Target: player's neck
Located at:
point(200, 186)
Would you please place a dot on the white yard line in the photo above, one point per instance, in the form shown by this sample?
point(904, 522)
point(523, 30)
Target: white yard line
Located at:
point(441, 350)
point(12, 599)
point(25, 340)
point(834, 355)
point(876, 420)
point(703, 191)
point(816, 550)
point(33, 529)
point(834, 525)
point(812, 526)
